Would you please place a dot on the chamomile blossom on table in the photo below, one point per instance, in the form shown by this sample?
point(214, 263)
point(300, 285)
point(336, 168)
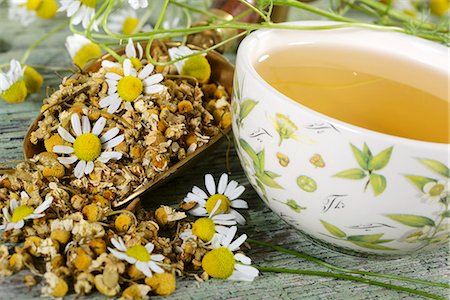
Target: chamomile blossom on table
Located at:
point(19, 212)
point(222, 262)
point(81, 50)
point(88, 144)
point(130, 86)
point(80, 11)
point(226, 192)
point(138, 255)
point(12, 84)
point(211, 228)
point(27, 11)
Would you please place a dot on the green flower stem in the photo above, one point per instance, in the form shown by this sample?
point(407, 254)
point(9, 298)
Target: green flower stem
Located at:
point(197, 10)
point(41, 40)
point(112, 52)
point(188, 24)
point(256, 10)
point(161, 16)
point(332, 267)
point(97, 14)
point(351, 278)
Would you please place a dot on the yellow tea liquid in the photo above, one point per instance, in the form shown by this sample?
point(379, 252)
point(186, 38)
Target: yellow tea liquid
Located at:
point(359, 98)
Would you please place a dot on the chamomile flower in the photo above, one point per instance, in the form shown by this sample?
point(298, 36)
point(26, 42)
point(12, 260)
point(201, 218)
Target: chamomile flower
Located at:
point(21, 212)
point(221, 262)
point(27, 11)
point(434, 191)
point(196, 66)
point(126, 21)
point(80, 11)
point(12, 84)
point(81, 49)
point(138, 255)
point(130, 86)
point(211, 228)
point(136, 58)
point(226, 192)
point(87, 144)
point(136, 4)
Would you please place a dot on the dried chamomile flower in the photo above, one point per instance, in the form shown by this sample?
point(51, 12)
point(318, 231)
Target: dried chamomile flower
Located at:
point(227, 192)
point(130, 86)
point(166, 215)
point(12, 85)
point(141, 256)
point(56, 286)
point(21, 212)
point(84, 282)
point(162, 284)
point(209, 228)
point(135, 292)
point(221, 262)
point(88, 144)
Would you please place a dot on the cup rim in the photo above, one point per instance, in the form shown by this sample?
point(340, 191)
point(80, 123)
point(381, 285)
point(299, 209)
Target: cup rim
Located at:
point(244, 59)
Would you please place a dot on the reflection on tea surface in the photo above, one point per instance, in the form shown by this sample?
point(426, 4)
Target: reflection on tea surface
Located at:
point(356, 97)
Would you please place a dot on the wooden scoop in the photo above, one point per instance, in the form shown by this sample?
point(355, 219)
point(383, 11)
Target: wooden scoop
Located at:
point(221, 72)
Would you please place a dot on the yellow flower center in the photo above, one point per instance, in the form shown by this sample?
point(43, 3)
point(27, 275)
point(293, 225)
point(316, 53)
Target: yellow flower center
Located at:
point(224, 206)
point(89, 3)
point(138, 252)
point(219, 263)
point(204, 228)
point(21, 213)
point(87, 147)
point(129, 88)
point(47, 9)
point(33, 4)
point(136, 63)
point(198, 67)
point(436, 190)
point(15, 93)
point(129, 25)
point(33, 80)
point(86, 53)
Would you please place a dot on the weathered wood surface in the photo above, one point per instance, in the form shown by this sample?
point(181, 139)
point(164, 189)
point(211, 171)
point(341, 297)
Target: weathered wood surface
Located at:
point(262, 223)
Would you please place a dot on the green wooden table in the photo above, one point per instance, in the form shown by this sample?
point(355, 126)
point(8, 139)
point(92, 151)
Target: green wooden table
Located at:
point(262, 223)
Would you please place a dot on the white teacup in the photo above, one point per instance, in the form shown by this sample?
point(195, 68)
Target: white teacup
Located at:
point(405, 211)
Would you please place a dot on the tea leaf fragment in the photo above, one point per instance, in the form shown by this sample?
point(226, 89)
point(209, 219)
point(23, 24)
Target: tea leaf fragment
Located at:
point(412, 220)
point(436, 166)
point(419, 181)
point(351, 174)
point(378, 183)
point(333, 229)
point(381, 159)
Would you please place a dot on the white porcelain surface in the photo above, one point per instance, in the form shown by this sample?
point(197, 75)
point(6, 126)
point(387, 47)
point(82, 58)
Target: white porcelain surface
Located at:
point(393, 212)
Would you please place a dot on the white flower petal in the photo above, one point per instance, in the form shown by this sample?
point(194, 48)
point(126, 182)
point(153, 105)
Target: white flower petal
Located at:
point(154, 89)
point(223, 182)
point(140, 50)
point(157, 257)
point(13, 204)
point(149, 247)
point(109, 134)
point(198, 191)
point(113, 76)
point(79, 169)
point(155, 268)
point(225, 222)
point(232, 185)
point(130, 51)
point(222, 230)
point(76, 124)
point(44, 205)
point(229, 237)
point(67, 160)
point(113, 142)
point(247, 270)
point(63, 149)
point(154, 79)
point(428, 186)
point(118, 245)
point(6, 214)
point(128, 106)
point(210, 184)
point(237, 243)
point(114, 105)
point(19, 224)
point(144, 268)
point(191, 197)
point(237, 192)
point(108, 100)
point(110, 64)
point(85, 124)
point(238, 203)
point(89, 167)
point(239, 218)
point(107, 156)
point(66, 135)
point(98, 126)
point(239, 276)
point(213, 211)
point(127, 67)
point(242, 258)
point(198, 211)
point(147, 70)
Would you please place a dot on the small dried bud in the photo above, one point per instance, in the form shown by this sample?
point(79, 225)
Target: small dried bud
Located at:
point(162, 284)
point(82, 261)
point(185, 106)
point(98, 246)
point(29, 280)
point(60, 235)
point(123, 222)
point(54, 140)
point(91, 212)
point(77, 202)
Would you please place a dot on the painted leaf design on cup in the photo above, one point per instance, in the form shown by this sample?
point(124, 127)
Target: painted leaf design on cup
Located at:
point(264, 178)
point(292, 204)
point(246, 107)
point(368, 163)
point(412, 220)
point(368, 241)
point(436, 166)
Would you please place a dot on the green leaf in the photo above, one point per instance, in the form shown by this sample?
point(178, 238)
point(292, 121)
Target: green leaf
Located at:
point(381, 159)
point(251, 153)
point(369, 238)
point(267, 181)
point(246, 107)
point(351, 174)
point(261, 158)
point(367, 151)
point(333, 229)
point(378, 183)
point(272, 174)
point(371, 246)
point(419, 181)
point(436, 166)
point(411, 220)
point(361, 157)
point(446, 214)
point(263, 189)
point(383, 241)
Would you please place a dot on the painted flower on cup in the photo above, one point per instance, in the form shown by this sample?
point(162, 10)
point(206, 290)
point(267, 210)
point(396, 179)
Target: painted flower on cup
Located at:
point(12, 84)
point(81, 49)
point(19, 212)
point(195, 66)
point(226, 192)
point(130, 86)
point(221, 262)
point(419, 235)
point(211, 228)
point(436, 190)
point(87, 145)
point(27, 11)
point(138, 255)
point(80, 11)
point(126, 21)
